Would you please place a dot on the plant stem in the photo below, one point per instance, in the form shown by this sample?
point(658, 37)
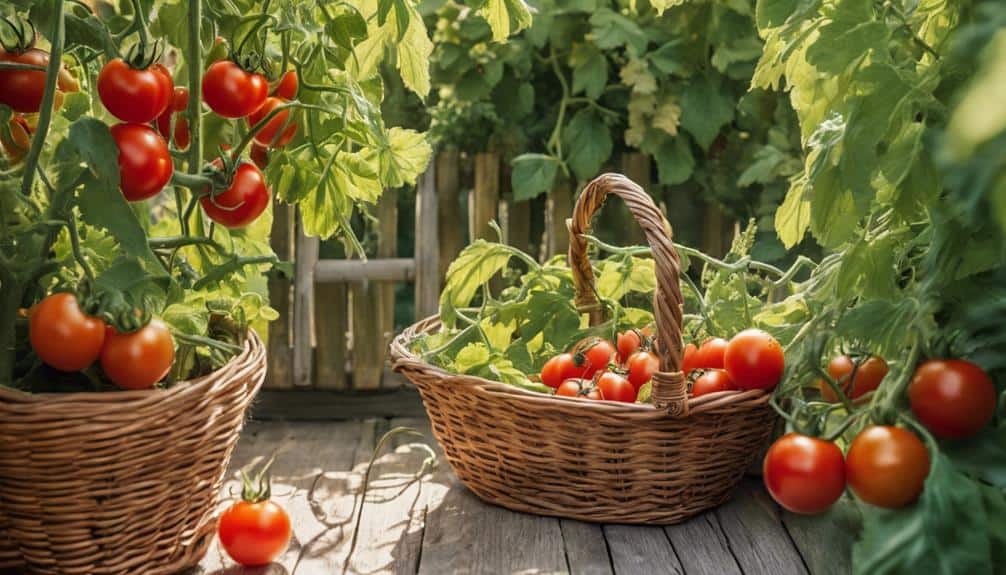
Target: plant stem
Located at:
point(191, 181)
point(57, 35)
point(75, 244)
point(182, 241)
point(193, 59)
point(21, 66)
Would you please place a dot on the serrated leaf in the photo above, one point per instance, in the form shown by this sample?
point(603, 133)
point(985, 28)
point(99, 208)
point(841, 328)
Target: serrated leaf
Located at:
point(590, 70)
point(792, 218)
point(404, 158)
point(611, 30)
point(619, 277)
point(473, 267)
point(709, 108)
point(506, 17)
point(588, 143)
point(533, 174)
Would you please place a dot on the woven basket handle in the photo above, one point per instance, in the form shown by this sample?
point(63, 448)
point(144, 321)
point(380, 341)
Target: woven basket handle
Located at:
point(669, 387)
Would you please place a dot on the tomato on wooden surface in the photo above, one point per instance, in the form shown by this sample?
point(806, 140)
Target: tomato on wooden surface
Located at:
point(594, 357)
point(953, 398)
point(135, 95)
point(804, 474)
point(254, 533)
point(62, 335)
point(887, 466)
point(868, 376)
point(242, 202)
point(754, 360)
point(711, 353)
point(233, 92)
point(614, 387)
point(642, 365)
point(712, 381)
point(145, 164)
point(22, 90)
point(628, 343)
point(267, 136)
point(138, 359)
point(688, 358)
point(287, 86)
point(558, 369)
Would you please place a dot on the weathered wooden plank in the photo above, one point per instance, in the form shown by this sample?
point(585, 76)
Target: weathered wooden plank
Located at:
point(280, 374)
point(641, 550)
point(428, 248)
point(586, 549)
point(375, 270)
point(756, 535)
point(483, 204)
point(331, 324)
point(825, 541)
point(558, 209)
point(701, 546)
point(318, 405)
point(303, 309)
point(387, 247)
point(303, 450)
point(450, 235)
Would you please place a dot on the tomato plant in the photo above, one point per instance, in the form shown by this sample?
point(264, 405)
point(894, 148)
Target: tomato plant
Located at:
point(278, 131)
point(804, 474)
point(133, 95)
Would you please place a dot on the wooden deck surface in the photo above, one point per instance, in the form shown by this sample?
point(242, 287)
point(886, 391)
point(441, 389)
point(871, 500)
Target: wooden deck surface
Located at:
point(436, 527)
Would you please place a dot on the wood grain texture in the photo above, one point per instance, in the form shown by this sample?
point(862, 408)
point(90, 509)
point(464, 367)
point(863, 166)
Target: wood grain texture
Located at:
point(586, 549)
point(450, 236)
point(280, 374)
point(558, 209)
point(825, 541)
point(432, 249)
point(303, 309)
point(638, 550)
point(331, 325)
point(483, 203)
point(756, 535)
point(702, 547)
point(298, 405)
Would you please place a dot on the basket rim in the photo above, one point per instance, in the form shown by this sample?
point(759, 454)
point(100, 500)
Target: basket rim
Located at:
point(253, 347)
point(402, 357)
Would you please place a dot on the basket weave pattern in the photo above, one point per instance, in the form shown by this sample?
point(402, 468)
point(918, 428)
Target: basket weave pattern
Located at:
point(597, 460)
point(117, 483)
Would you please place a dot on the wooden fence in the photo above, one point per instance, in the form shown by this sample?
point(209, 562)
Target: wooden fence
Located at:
point(337, 316)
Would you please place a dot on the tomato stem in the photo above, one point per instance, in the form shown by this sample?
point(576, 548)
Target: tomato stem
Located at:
point(58, 35)
point(194, 62)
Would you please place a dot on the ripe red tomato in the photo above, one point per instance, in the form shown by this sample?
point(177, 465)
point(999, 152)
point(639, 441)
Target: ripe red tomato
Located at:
point(179, 99)
point(241, 203)
point(232, 92)
point(804, 474)
point(145, 163)
point(642, 365)
point(887, 466)
point(754, 360)
point(254, 534)
point(576, 388)
point(62, 335)
point(181, 132)
point(558, 369)
point(614, 387)
point(712, 381)
point(139, 359)
point(18, 143)
point(710, 355)
point(268, 132)
point(628, 343)
point(287, 86)
point(688, 358)
point(23, 89)
point(953, 398)
point(260, 155)
point(868, 377)
point(595, 357)
point(134, 95)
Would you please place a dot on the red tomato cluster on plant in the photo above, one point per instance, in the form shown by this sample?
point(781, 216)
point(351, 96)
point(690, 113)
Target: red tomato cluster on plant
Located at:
point(67, 339)
point(855, 380)
point(23, 90)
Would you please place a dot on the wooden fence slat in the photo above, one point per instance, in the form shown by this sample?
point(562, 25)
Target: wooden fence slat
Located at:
point(558, 209)
point(303, 308)
point(280, 374)
point(434, 244)
point(376, 270)
point(485, 197)
point(331, 325)
point(443, 190)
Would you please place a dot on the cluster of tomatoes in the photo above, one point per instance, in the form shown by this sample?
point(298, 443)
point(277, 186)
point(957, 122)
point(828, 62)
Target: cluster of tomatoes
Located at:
point(596, 369)
point(885, 465)
point(67, 339)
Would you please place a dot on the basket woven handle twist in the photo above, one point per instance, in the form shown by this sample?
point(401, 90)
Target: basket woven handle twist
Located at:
point(669, 388)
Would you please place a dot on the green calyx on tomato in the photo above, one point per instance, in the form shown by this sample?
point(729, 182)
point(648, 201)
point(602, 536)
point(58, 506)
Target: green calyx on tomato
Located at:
point(241, 201)
point(255, 531)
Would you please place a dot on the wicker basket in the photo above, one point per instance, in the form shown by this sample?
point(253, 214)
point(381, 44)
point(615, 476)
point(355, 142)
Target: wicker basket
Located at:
point(597, 460)
point(119, 483)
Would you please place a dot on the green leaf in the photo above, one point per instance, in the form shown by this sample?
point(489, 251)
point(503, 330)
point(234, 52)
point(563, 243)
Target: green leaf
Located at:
point(946, 533)
point(773, 13)
point(980, 116)
point(708, 108)
point(612, 30)
point(404, 158)
point(533, 174)
point(792, 219)
point(407, 35)
point(843, 42)
point(506, 17)
point(868, 270)
point(661, 5)
point(588, 143)
point(590, 70)
point(982, 456)
point(473, 267)
point(675, 162)
point(621, 276)
point(763, 169)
